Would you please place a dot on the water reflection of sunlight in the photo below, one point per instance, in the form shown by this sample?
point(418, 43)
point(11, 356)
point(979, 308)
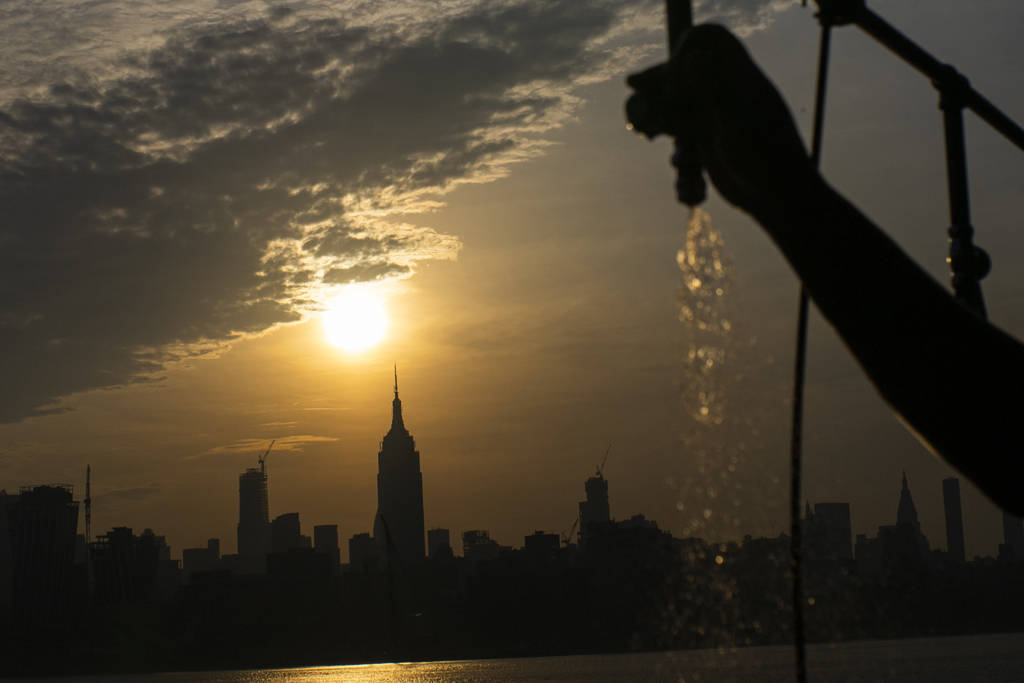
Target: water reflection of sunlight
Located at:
point(591, 668)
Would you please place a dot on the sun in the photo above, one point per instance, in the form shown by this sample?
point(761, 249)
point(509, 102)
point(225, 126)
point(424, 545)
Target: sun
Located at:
point(356, 320)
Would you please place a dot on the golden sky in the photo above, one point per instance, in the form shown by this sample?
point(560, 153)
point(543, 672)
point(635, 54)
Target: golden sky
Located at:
point(187, 187)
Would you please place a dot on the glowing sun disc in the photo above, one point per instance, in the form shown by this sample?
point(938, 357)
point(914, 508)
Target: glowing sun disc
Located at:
point(355, 320)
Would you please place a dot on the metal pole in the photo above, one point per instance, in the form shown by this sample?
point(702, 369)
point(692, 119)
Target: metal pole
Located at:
point(968, 263)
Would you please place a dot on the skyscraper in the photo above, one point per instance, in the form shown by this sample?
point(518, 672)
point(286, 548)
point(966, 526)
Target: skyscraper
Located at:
point(904, 549)
point(954, 519)
point(1013, 537)
point(398, 527)
point(906, 513)
point(253, 518)
point(595, 509)
point(40, 548)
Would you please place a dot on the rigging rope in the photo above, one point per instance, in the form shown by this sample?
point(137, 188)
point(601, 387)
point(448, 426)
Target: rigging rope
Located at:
point(799, 371)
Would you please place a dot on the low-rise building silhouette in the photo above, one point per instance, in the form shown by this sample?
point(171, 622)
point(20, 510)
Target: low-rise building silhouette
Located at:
point(439, 545)
point(199, 560)
point(478, 546)
point(285, 533)
point(541, 547)
point(325, 542)
point(828, 532)
point(362, 554)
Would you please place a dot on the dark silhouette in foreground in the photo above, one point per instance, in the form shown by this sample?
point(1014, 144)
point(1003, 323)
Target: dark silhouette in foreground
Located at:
point(941, 367)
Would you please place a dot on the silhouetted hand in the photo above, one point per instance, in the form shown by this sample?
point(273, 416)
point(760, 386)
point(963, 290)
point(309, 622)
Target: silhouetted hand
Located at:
point(719, 105)
point(935, 361)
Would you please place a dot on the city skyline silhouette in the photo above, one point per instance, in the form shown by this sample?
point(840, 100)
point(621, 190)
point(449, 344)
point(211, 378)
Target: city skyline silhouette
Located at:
point(62, 598)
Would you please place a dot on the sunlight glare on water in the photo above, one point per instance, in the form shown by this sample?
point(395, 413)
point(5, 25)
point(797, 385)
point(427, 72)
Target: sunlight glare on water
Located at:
point(992, 658)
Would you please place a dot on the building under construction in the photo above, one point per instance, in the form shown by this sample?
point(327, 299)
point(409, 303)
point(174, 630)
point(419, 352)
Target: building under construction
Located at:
point(254, 517)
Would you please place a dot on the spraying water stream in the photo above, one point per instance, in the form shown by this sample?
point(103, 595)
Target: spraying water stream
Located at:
point(705, 281)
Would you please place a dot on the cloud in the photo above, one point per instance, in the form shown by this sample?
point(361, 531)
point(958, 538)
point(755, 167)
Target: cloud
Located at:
point(212, 182)
point(258, 446)
point(189, 175)
point(743, 17)
point(127, 495)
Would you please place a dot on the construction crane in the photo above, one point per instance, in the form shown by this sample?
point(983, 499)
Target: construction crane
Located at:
point(600, 468)
point(263, 458)
point(567, 536)
point(88, 503)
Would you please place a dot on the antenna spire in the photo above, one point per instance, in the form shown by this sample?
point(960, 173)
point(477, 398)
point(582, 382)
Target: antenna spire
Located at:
point(396, 408)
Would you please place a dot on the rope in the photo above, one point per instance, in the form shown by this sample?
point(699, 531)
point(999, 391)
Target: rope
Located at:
point(796, 435)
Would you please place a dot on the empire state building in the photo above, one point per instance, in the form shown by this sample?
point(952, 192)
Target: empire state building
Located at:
point(398, 527)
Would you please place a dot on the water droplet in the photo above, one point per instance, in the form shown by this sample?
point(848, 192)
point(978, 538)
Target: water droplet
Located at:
point(705, 279)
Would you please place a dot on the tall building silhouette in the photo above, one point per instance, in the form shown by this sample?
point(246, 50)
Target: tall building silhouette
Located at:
point(828, 531)
point(398, 527)
point(1013, 537)
point(595, 509)
point(954, 519)
point(39, 545)
point(906, 513)
point(904, 549)
point(253, 518)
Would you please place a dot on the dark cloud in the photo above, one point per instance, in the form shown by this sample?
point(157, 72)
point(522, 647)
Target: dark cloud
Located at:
point(363, 272)
point(127, 495)
point(212, 189)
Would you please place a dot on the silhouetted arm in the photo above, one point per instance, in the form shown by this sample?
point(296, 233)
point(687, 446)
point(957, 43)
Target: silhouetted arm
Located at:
point(952, 377)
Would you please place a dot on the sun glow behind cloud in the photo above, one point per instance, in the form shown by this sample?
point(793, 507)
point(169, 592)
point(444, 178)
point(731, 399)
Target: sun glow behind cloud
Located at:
point(356, 319)
point(259, 154)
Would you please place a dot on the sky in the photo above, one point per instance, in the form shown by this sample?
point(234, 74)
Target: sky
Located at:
point(187, 186)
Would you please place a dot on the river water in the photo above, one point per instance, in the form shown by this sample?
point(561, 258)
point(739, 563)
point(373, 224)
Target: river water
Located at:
point(992, 659)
